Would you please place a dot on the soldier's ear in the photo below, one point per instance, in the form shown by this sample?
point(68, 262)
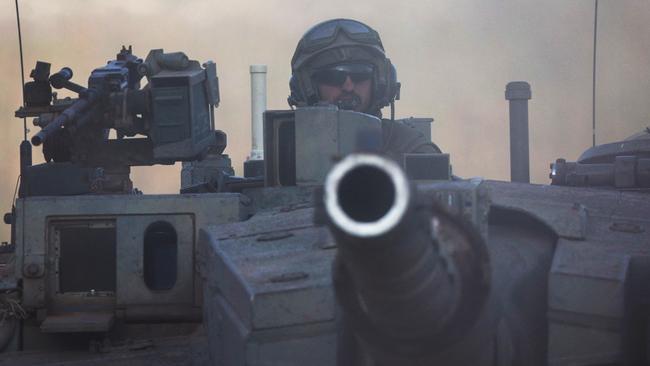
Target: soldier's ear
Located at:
point(388, 91)
point(295, 95)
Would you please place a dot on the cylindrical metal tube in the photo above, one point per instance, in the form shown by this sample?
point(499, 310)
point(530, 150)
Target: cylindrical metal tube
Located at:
point(59, 79)
point(406, 273)
point(64, 118)
point(25, 162)
point(518, 93)
point(67, 116)
point(25, 156)
point(387, 248)
point(258, 106)
point(173, 60)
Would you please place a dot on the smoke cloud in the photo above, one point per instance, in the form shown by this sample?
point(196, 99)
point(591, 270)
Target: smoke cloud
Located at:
point(453, 58)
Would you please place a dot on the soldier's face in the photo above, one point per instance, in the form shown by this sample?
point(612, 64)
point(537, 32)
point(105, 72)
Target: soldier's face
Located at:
point(350, 95)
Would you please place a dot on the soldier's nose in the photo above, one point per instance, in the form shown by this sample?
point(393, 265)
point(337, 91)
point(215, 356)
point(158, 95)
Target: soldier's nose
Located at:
point(348, 85)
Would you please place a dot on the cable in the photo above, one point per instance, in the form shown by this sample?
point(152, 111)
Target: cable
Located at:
point(15, 190)
point(593, 95)
point(22, 69)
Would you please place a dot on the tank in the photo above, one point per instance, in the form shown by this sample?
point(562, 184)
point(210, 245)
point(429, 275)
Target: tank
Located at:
point(328, 254)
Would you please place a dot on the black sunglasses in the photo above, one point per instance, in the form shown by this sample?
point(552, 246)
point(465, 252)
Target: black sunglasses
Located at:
point(337, 75)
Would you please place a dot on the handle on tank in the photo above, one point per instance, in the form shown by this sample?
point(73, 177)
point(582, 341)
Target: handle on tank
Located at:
point(410, 277)
point(62, 78)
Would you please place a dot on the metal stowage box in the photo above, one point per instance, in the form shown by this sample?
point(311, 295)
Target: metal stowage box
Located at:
point(267, 287)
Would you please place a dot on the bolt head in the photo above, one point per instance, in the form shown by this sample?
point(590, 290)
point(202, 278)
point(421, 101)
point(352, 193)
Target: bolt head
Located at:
point(32, 270)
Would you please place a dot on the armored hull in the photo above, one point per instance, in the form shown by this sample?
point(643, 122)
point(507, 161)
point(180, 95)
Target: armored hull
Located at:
point(567, 268)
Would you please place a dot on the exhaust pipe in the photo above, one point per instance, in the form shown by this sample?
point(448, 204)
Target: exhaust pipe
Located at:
point(518, 93)
point(258, 106)
point(254, 165)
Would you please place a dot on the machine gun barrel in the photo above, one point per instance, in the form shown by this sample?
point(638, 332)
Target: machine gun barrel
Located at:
point(410, 277)
point(70, 114)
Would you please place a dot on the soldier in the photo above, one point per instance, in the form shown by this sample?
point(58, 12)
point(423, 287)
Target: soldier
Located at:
point(342, 62)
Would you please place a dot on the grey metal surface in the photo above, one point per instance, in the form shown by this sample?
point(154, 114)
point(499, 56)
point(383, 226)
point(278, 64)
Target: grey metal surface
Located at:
point(586, 305)
point(275, 263)
point(339, 133)
point(581, 213)
point(427, 167)
point(169, 351)
point(288, 198)
point(267, 290)
point(605, 153)
point(130, 214)
point(421, 124)
point(598, 271)
point(205, 171)
point(565, 215)
point(468, 199)
point(78, 322)
point(130, 264)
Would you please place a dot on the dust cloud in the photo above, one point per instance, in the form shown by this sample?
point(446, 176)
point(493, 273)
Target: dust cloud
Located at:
point(453, 58)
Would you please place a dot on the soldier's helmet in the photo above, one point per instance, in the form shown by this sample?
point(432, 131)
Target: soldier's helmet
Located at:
point(341, 42)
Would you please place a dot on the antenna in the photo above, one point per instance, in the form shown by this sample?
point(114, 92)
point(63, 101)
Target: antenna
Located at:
point(593, 91)
point(22, 70)
point(25, 146)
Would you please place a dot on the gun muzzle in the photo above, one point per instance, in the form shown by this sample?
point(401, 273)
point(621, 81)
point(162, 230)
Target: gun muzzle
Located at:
point(407, 274)
point(366, 196)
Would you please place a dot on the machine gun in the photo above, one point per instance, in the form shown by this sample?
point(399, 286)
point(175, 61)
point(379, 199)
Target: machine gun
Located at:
point(623, 165)
point(411, 278)
point(174, 113)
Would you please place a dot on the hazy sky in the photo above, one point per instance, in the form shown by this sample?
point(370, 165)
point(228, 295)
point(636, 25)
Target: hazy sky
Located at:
point(453, 58)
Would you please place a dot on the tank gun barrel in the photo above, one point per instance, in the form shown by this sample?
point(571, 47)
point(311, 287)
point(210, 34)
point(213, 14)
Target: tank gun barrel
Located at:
point(407, 273)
